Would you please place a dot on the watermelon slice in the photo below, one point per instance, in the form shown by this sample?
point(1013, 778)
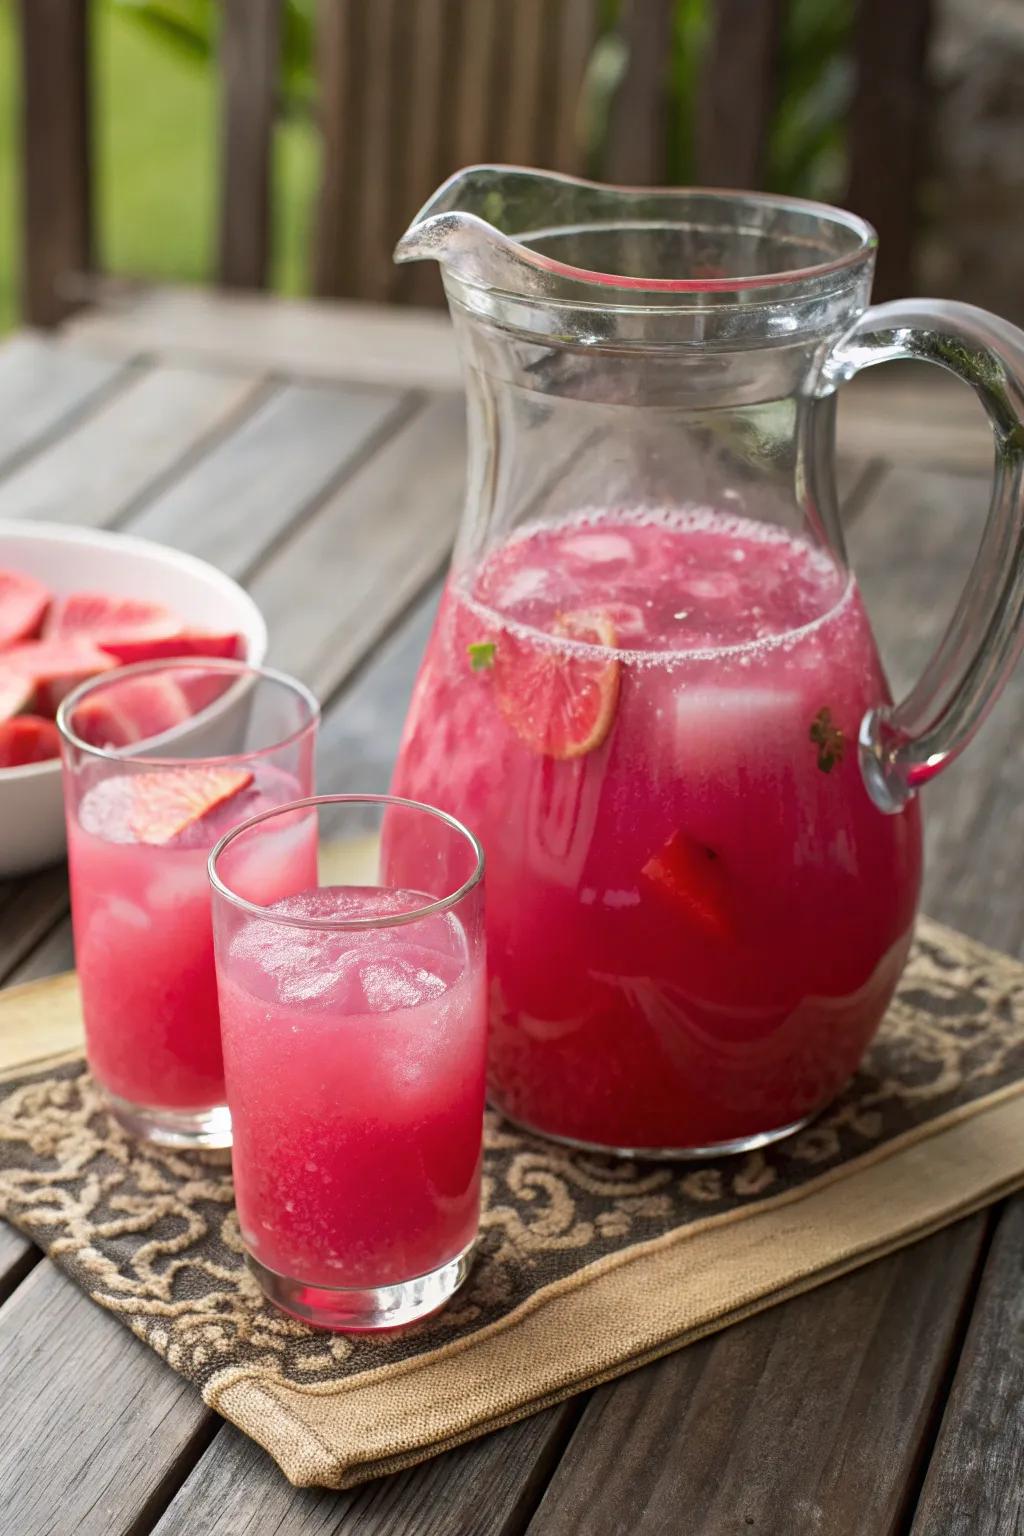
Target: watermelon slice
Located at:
point(691, 875)
point(54, 667)
point(558, 701)
point(130, 710)
point(23, 605)
point(15, 693)
point(110, 621)
point(27, 739)
point(201, 687)
point(164, 804)
point(190, 642)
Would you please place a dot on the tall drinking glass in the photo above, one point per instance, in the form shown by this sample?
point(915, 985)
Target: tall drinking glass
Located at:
point(353, 1017)
point(220, 741)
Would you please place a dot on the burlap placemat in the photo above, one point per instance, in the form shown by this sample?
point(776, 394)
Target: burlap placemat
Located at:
point(589, 1267)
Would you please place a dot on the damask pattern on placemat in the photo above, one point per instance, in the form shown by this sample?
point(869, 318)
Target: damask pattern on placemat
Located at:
point(152, 1234)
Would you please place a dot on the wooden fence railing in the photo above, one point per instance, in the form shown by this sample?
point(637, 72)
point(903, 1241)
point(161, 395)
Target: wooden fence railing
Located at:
point(408, 90)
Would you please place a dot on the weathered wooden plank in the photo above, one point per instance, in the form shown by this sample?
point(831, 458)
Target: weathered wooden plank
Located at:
point(96, 1428)
point(361, 731)
point(638, 137)
point(56, 132)
point(250, 45)
point(807, 1418)
point(238, 499)
point(887, 131)
point(43, 386)
point(486, 1488)
point(34, 905)
point(94, 473)
point(914, 414)
point(53, 953)
point(912, 546)
point(975, 1481)
point(360, 343)
point(353, 568)
point(737, 92)
point(17, 1257)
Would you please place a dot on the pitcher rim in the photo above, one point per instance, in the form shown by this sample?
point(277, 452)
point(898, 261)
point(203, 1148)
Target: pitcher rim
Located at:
point(864, 232)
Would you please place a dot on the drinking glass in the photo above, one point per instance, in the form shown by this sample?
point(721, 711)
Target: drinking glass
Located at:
point(353, 1018)
point(219, 741)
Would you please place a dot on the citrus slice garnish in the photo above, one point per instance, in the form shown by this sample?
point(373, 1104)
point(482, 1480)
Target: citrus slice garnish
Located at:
point(560, 702)
point(164, 804)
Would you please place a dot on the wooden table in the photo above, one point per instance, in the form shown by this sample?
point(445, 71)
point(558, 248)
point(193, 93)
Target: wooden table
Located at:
point(316, 453)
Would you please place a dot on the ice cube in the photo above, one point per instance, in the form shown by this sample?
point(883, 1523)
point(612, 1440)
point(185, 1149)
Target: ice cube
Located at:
point(529, 582)
point(599, 548)
point(120, 910)
point(177, 884)
point(393, 983)
point(710, 587)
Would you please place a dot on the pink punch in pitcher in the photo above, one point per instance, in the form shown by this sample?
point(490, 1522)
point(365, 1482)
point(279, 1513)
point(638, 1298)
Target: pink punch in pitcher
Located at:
point(652, 689)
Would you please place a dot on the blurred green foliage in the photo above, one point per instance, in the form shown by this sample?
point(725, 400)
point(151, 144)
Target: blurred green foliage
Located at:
point(156, 130)
point(806, 149)
point(155, 107)
point(181, 37)
point(190, 28)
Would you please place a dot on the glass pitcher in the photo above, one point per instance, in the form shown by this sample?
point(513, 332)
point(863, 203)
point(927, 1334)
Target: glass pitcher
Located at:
point(652, 689)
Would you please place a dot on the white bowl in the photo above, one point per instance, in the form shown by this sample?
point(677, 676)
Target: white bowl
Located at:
point(68, 559)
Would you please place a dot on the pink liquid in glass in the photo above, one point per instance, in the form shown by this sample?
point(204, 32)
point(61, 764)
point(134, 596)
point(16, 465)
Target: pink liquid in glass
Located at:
point(144, 941)
point(355, 1073)
point(696, 916)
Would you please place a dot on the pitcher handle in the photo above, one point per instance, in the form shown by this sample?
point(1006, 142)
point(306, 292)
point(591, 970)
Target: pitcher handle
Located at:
point(904, 745)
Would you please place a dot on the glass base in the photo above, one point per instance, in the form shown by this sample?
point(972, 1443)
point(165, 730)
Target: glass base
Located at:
point(668, 1154)
point(355, 1309)
point(174, 1127)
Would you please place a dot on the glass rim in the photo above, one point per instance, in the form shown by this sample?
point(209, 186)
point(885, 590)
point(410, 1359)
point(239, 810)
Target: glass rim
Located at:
point(781, 277)
point(232, 668)
point(445, 201)
point(352, 924)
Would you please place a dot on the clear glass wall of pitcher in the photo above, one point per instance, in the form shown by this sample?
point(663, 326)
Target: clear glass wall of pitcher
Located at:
point(652, 689)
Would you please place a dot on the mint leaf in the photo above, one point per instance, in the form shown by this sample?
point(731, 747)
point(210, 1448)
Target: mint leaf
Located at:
point(829, 740)
point(481, 654)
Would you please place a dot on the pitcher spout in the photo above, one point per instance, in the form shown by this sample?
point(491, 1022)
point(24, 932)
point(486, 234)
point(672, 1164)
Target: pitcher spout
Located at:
point(470, 223)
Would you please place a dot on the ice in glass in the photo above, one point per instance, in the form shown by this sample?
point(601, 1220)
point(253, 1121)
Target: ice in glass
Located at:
point(141, 824)
point(353, 1020)
point(696, 915)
